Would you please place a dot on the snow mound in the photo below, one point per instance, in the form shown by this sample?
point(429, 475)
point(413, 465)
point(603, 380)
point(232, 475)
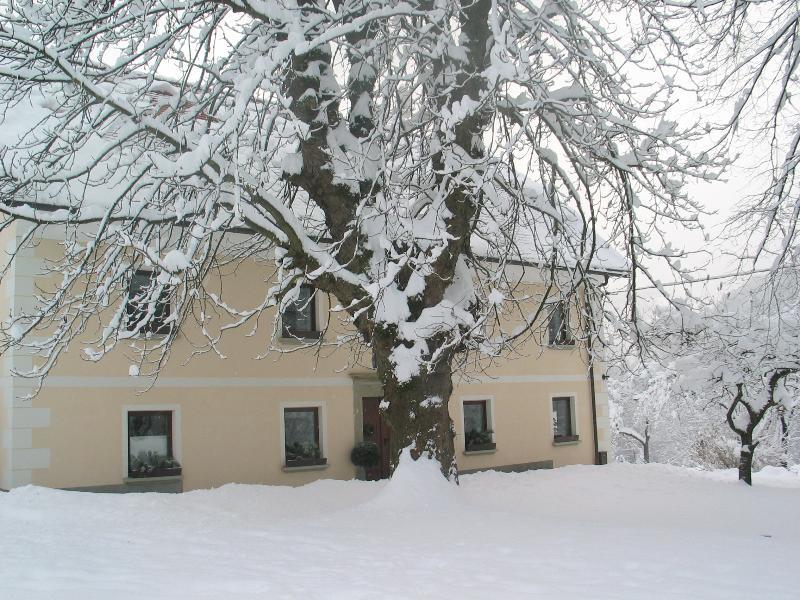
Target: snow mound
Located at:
point(416, 484)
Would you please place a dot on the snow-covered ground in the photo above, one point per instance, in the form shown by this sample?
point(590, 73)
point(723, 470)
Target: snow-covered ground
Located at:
point(617, 532)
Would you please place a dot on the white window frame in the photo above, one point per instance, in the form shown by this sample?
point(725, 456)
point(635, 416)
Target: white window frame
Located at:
point(321, 406)
point(177, 448)
point(573, 405)
point(489, 415)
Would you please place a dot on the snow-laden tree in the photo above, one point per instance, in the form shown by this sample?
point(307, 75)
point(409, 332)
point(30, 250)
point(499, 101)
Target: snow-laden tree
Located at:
point(398, 155)
point(641, 396)
point(745, 354)
point(654, 418)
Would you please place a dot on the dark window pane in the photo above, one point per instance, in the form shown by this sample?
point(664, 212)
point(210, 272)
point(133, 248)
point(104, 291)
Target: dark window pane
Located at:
point(474, 416)
point(301, 433)
point(299, 315)
point(149, 439)
point(559, 333)
point(141, 287)
point(562, 417)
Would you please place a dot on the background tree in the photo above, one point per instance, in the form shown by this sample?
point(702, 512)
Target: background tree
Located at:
point(397, 155)
point(741, 354)
point(650, 409)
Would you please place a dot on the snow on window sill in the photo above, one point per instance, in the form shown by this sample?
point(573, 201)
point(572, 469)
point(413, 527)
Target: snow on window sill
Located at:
point(569, 440)
point(322, 467)
point(148, 480)
point(567, 346)
point(289, 334)
point(476, 452)
point(300, 339)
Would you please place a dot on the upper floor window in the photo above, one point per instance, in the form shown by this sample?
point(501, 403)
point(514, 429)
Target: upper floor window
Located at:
point(138, 309)
point(558, 329)
point(564, 420)
point(150, 452)
point(299, 318)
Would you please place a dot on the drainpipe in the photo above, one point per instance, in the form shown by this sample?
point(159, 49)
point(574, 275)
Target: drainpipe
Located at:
point(592, 390)
point(594, 411)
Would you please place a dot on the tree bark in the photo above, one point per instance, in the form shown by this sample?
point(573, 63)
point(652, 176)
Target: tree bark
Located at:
point(646, 445)
point(419, 418)
point(784, 439)
point(418, 413)
point(746, 458)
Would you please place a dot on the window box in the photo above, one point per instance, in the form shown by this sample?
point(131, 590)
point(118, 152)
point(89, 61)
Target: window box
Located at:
point(156, 472)
point(305, 462)
point(565, 439)
point(481, 447)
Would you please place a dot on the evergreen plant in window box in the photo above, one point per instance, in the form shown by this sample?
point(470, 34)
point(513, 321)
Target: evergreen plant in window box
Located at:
point(304, 455)
point(152, 464)
point(476, 441)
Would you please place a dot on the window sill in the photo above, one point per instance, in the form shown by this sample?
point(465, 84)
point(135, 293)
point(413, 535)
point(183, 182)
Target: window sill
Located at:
point(159, 472)
point(567, 440)
point(478, 452)
point(569, 346)
point(485, 447)
point(317, 467)
point(300, 336)
point(148, 480)
point(147, 336)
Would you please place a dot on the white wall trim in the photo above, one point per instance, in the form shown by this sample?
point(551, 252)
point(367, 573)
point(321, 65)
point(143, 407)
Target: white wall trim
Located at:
point(142, 383)
point(177, 447)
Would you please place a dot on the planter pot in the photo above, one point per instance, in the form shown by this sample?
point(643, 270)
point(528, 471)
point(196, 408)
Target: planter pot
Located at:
point(480, 447)
point(158, 472)
point(305, 462)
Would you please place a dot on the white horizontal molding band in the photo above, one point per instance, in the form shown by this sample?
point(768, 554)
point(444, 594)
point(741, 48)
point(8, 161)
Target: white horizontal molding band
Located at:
point(67, 381)
point(462, 380)
point(142, 383)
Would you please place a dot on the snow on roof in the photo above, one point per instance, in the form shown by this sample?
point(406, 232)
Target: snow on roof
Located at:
point(531, 230)
point(519, 229)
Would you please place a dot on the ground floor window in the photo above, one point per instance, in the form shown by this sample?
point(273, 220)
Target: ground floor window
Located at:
point(563, 420)
point(150, 452)
point(477, 432)
point(301, 431)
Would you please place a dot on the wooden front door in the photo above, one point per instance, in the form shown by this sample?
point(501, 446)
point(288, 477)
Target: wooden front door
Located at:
point(376, 430)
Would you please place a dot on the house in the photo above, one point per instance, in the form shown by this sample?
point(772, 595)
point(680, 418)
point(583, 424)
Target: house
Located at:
point(287, 419)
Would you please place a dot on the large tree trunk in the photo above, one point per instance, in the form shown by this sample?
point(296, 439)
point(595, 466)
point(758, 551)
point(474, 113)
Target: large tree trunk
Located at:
point(419, 418)
point(418, 413)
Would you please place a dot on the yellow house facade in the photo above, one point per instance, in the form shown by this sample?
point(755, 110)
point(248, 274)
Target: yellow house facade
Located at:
point(235, 418)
